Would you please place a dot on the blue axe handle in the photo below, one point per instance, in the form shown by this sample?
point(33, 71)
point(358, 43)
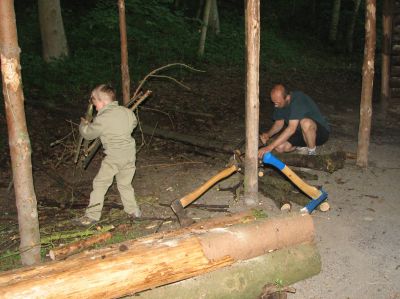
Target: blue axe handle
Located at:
point(317, 196)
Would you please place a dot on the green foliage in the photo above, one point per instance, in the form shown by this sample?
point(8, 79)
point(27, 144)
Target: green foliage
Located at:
point(157, 36)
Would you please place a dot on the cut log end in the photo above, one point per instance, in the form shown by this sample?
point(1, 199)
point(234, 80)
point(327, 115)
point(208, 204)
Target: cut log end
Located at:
point(286, 207)
point(324, 207)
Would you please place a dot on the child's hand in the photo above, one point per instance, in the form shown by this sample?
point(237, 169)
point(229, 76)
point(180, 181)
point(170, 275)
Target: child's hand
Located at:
point(84, 121)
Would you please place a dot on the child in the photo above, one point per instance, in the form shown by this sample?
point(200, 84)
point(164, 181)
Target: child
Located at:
point(114, 125)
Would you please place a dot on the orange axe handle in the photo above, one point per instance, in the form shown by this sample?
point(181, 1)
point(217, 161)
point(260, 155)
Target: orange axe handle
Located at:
point(191, 197)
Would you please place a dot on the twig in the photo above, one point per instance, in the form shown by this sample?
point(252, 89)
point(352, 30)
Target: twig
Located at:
point(160, 69)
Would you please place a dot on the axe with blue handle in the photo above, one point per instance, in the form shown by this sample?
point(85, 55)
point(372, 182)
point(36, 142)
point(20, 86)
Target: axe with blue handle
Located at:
point(317, 196)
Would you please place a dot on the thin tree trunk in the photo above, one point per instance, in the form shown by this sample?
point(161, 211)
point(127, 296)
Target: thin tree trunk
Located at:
point(124, 53)
point(252, 100)
point(386, 44)
point(20, 146)
point(335, 20)
point(206, 17)
point(367, 84)
point(350, 32)
point(214, 18)
point(54, 41)
point(199, 9)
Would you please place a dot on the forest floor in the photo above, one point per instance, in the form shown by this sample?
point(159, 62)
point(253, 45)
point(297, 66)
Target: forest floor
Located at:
point(358, 239)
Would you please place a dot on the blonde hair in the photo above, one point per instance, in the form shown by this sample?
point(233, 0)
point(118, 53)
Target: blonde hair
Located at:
point(104, 93)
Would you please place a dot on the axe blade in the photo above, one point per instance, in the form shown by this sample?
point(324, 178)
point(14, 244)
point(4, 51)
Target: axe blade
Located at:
point(180, 213)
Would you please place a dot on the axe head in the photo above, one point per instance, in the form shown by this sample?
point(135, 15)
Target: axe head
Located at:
point(180, 212)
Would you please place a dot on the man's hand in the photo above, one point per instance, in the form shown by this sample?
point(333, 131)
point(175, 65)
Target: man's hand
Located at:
point(264, 137)
point(263, 150)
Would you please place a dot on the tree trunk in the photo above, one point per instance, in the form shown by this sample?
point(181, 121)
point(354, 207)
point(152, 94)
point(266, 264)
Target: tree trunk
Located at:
point(206, 16)
point(252, 100)
point(214, 17)
point(386, 45)
point(367, 84)
point(199, 8)
point(124, 53)
point(20, 146)
point(148, 263)
point(350, 31)
point(334, 20)
point(54, 41)
point(246, 279)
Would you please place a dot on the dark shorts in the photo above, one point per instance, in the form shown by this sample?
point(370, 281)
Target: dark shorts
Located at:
point(297, 138)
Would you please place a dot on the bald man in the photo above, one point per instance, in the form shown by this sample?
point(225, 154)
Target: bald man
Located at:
point(298, 120)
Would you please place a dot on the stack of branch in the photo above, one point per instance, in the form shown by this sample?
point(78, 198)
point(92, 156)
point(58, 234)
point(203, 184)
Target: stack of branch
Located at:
point(223, 257)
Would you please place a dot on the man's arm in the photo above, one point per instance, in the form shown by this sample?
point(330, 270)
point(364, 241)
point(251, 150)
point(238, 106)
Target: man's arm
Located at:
point(276, 127)
point(282, 138)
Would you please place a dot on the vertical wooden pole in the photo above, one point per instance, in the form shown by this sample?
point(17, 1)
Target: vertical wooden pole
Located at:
point(386, 44)
point(252, 100)
point(367, 84)
point(124, 53)
point(19, 142)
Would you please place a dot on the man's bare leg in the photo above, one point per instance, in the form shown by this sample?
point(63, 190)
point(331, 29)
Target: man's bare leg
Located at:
point(285, 147)
point(309, 130)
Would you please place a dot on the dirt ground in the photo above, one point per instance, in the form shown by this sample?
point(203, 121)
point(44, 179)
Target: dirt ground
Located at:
point(358, 238)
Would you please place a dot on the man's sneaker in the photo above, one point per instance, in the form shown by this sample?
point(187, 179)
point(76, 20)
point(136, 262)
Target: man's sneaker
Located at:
point(84, 221)
point(302, 150)
point(312, 151)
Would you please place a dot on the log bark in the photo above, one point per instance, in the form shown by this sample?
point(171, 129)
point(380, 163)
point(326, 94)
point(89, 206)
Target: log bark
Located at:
point(247, 278)
point(69, 249)
point(149, 262)
point(328, 162)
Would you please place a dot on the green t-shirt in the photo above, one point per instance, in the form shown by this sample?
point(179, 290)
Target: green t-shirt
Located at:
point(301, 106)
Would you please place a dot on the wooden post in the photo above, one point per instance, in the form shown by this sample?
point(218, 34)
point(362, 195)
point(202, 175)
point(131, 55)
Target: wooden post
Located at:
point(386, 45)
point(19, 142)
point(367, 84)
point(252, 100)
point(124, 53)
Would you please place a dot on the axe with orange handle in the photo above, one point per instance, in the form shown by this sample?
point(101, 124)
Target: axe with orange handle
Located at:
point(178, 206)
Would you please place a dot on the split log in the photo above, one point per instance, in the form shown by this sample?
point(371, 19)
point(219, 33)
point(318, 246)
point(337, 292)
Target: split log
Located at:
point(246, 279)
point(149, 263)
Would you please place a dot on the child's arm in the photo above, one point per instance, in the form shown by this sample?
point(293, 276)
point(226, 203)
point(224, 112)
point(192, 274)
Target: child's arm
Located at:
point(92, 130)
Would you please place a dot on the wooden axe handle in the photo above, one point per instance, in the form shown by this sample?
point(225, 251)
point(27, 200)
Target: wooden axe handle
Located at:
point(311, 191)
point(191, 197)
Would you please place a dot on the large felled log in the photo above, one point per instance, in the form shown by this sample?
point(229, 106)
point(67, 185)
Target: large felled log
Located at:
point(151, 262)
point(327, 162)
point(246, 279)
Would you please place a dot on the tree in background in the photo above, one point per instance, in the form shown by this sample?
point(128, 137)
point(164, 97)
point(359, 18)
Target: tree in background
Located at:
point(19, 142)
point(214, 17)
point(124, 53)
point(364, 130)
point(350, 31)
point(206, 17)
point(334, 21)
point(54, 41)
